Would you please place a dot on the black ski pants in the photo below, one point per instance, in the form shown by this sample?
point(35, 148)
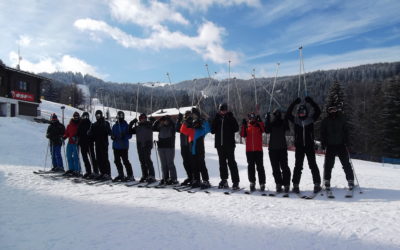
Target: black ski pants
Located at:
point(122, 154)
point(102, 158)
point(145, 162)
point(199, 167)
point(298, 168)
point(255, 158)
point(341, 152)
point(280, 168)
point(187, 158)
point(226, 157)
point(89, 158)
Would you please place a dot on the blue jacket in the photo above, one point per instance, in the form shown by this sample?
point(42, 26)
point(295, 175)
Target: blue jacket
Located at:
point(120, 135)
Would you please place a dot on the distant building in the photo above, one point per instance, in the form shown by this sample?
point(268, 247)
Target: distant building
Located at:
point(19, 92)
point(173, 112)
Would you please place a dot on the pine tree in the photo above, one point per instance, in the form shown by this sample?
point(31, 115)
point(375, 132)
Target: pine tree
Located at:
point(335, 97)
point(391, 119)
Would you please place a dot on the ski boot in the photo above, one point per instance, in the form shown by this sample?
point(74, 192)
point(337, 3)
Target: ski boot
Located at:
point(106, 177)
point(279, 188)
point(262, 187)
point(235, 186)
point(58, 170)
point(223, 184)
point(68, 173)
point(296, 189)
point(162, 182)
point(351, 184)
point(93, 176)
point(76, 174)
point(172, 182)
point(252, 187)
point(151, 180)
point(119, 178)
point(186, 182)
point(205, 185)
point(143, 179)
point(317, 188)
point(195, 184)
point(327, 185)
point(86, 175)
point(286, 189)
point(129, 178)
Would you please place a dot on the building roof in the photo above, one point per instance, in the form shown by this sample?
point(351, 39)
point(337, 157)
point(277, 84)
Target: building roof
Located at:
point(27, 73)
point(171, 111)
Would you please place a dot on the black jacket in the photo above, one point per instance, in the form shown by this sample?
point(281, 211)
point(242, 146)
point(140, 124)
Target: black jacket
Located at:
point(83, 130)
point(334, 131)
point(224, 128)
point(304, 129)
point(277, 130)
point(166, 135)
point(144, 134)
point(55, 132)
point(100, 131)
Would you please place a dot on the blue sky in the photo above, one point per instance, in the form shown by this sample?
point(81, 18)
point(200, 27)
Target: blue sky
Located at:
point(140, 40)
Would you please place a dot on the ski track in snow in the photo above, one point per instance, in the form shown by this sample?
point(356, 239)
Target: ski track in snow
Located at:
point(41, 213)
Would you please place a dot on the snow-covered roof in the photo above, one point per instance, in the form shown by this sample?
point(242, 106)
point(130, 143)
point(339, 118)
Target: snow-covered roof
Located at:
point(171, 111)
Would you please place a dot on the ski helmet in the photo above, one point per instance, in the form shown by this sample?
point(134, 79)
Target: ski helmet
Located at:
point(277, 113)
point(142, 116)
point(85, 115)
point(223, 107)
point(98, 114)
point(196, 112)
point(251, 116)
point(76, 116)
point(121, 115)
point(302, 112)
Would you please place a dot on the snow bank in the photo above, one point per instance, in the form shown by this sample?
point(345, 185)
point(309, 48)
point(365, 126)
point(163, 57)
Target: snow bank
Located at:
point(38, 213)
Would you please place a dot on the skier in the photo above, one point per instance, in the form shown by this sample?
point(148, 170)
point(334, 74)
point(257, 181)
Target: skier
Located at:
point(99, 133)
point(120, 136)
point(224, 126)
point(334, 138)
point(87, 147)
point(185, 148)
point(196, 129)
point(144, 144)
point(252, 131)
point(72, 147)
point(166, 149)
point(55, 132)
point(277, 147)
point(304, 140)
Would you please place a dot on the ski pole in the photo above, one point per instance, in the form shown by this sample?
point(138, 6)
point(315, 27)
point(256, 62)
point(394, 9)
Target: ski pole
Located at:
point(273, 87)
point(352, 167)
point(158, 164)
point(45, 158)
point(173, 91)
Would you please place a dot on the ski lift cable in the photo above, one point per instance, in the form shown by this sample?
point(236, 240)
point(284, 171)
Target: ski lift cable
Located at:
point(273, 86)
point(173, 92)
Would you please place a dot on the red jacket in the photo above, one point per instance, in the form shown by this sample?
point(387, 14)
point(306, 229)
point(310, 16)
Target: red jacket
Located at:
point(72, 132)
point(253, 134)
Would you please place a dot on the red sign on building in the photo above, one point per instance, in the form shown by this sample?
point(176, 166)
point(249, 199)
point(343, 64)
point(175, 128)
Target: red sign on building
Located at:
point(22, 96)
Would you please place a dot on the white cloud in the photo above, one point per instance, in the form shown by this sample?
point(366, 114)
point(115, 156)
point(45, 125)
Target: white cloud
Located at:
point(65, 63)
point(24, 40)
point(151, 15)
point(203, 5)
point(207, 43)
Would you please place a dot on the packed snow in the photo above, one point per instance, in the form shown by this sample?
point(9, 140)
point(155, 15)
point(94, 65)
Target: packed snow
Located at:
point(40, 213)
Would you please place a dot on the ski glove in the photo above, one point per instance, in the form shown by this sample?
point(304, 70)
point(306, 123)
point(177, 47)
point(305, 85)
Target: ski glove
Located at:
point(297, 101)
point(244, 122)
point(309, 99)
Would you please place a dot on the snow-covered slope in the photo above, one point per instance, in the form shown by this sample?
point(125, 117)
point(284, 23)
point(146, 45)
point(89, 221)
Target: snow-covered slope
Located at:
point(37, 213)
point(47, 108)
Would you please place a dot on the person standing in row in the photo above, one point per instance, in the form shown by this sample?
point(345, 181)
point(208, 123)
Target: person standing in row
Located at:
point(196, 129)
point(304, 140)
point(334, 138)
point(87, 147)
point(252, 131)
point(99, 132)
point(71, 133)
point(185, 148)
point(224, 126)
point(166, 149)
point(144, 143)
point(278, 155)
point(120, 136)
point(55, 133)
